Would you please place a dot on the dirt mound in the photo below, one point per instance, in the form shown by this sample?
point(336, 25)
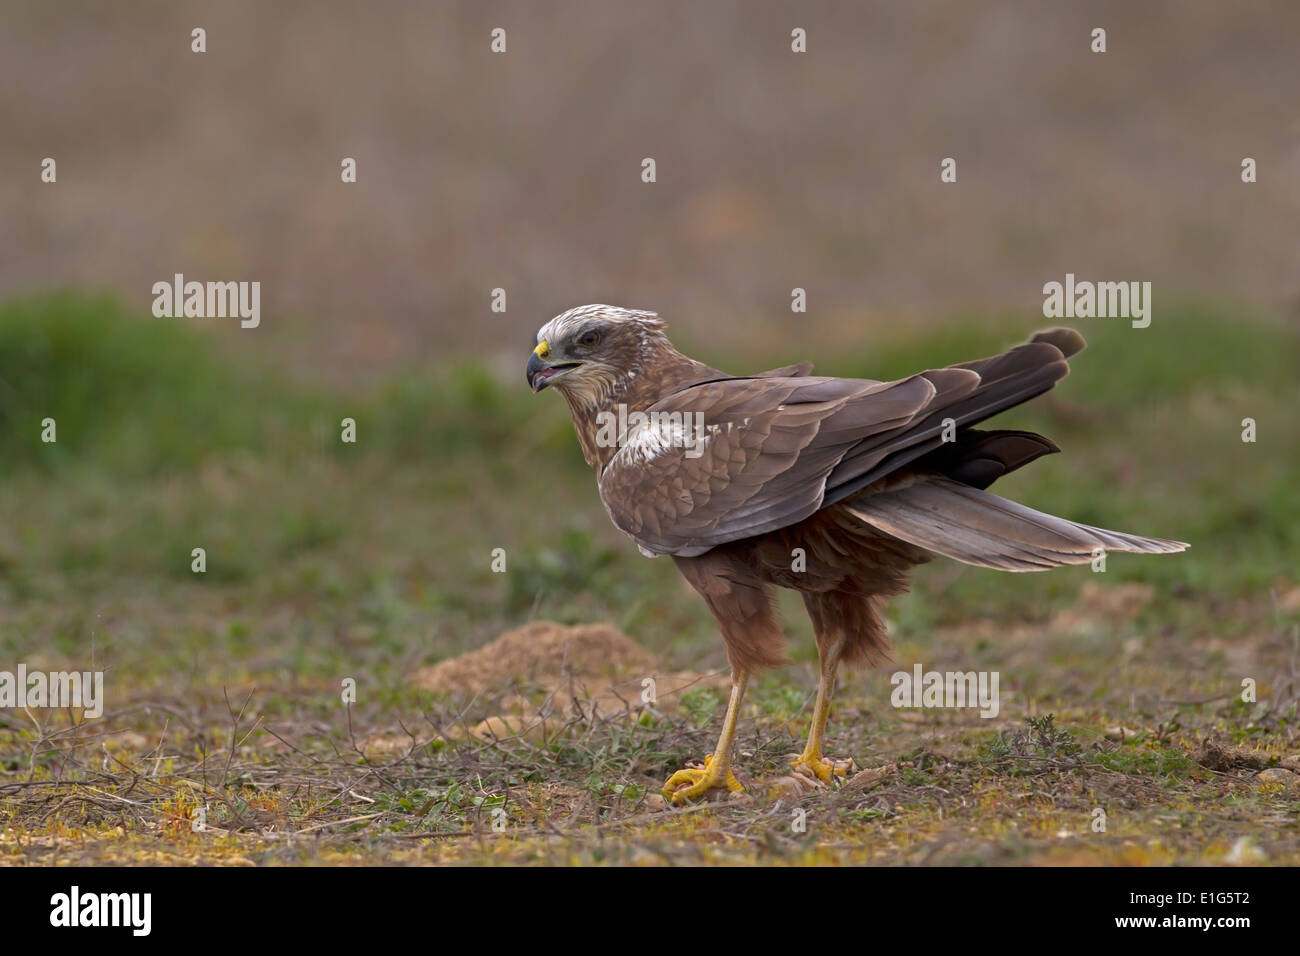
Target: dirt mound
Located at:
point(1214, 756)
point(560, 673)
point(541, 653)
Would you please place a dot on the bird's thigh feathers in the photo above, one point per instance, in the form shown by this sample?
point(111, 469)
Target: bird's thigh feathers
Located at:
point(842, 568)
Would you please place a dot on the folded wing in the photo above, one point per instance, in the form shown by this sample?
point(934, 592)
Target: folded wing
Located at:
point(771, 451)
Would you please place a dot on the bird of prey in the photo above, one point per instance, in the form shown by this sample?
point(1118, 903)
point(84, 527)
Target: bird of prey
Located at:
point(833, 487)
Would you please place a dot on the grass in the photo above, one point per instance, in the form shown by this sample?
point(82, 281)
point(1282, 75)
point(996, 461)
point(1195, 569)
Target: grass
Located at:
point(328, 560)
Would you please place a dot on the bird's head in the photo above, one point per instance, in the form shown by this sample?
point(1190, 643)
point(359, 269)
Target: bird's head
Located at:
point(592, 353)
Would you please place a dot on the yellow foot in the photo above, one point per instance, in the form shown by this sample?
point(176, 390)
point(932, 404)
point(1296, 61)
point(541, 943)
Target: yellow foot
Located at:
point(695, 782)
point(819, 768)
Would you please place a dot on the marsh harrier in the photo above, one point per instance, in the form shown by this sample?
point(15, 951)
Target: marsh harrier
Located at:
point(833, 487)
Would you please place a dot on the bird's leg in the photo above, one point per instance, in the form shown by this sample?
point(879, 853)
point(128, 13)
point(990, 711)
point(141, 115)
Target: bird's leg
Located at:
point(811, 759)
point(691, 783)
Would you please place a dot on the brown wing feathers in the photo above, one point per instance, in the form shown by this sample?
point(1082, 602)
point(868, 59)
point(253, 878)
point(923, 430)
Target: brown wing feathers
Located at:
point(782, 445)
point(770, 445)
point(1003, 381)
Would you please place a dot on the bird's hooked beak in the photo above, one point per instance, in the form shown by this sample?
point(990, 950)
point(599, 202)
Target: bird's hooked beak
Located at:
point(540, 372)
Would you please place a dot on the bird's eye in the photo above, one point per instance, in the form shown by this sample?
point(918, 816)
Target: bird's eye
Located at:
point(588, 339)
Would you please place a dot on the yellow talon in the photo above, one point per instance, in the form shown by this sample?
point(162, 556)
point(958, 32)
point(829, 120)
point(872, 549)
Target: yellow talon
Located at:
point(821, 768)
point(694, 782)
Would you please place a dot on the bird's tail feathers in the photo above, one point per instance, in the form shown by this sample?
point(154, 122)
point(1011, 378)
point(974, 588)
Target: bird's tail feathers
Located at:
point(983, 529)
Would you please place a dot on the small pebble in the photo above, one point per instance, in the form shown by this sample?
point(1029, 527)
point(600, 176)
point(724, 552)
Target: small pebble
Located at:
point(1278, 775)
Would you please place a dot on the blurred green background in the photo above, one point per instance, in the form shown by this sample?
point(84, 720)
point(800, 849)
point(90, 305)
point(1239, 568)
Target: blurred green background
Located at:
point(324, 555)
